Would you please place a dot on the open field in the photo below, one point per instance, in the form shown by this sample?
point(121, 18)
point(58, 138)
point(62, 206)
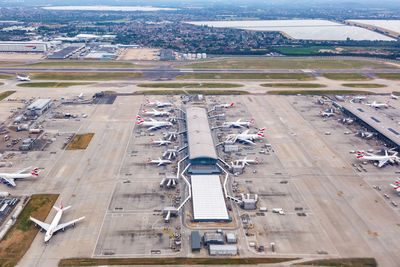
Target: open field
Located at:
point(139, 54)
point(1, 83)
point(364, 85)
point(19, 238)
point(388, 76)
point(189, 85)
point(350, 262)
point(346, 76)
point(87, 76)
point(5, 76)
point(80, 141)
point(247, 76)
point(6, 94)
point(296, 50)
point(319, 92)
point(194, 92)
point(170, 261)
point(285, 63)
point(52, 84)
point(294, 85)
point(83, 64)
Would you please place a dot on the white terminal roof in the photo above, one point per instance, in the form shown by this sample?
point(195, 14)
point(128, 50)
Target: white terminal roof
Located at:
point(200, 140)
point(208, 198)
point(40, 103)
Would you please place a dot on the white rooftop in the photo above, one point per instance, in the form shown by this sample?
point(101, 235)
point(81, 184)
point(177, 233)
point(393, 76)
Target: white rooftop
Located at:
point(208, 198)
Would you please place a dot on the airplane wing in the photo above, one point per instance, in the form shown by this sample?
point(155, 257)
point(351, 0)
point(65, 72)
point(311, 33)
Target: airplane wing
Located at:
point(152, 128)
point(153, 120)
point(45, 226)
point(245, 132)
point(23, 170)
point(63, 225)
point(248, 141)
point(160, 163)
point(382, 162)
point(9, 180)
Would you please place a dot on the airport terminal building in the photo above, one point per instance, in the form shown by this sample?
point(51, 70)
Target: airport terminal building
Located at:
point(202, 154)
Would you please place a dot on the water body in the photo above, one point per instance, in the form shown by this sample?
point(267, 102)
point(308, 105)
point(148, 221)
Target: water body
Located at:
point(110, 8)
point(323, 30)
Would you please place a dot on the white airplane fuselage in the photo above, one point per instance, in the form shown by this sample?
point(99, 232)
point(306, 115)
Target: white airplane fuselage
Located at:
point(53, 225)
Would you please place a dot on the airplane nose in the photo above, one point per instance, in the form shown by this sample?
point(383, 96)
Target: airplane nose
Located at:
point(46, 238)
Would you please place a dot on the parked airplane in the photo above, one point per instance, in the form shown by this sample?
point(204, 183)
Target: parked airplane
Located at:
point(238, 123)
point(54, 227)
point(379, 105)
point(365, 134)
point(358, 99)
point(155, 113)
point(225, 105)
point(160, 142)
point(245, 137)
point(382, 160)
point(23, 78)
point(153, 124)
point(396, 185)
point(9, 178)
point(392, 96)
point(159, 161)
point(246, 161)
point(158, 103)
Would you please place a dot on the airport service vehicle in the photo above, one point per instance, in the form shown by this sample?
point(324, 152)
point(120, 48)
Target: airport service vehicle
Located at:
point(9, 178)
point(246, 161)
point(81, 95)
point(238, 123)
point(23, 78)
point(152, 124)
point(160, 142)
point(4, 194)
point(225, 105)
point(158, 103)
point(379, 105)
point(245, 137)
point(382, 160)
point(54, 227)
point(159, 161)
point(392, 96)
point(155, 113)
point(327, 113)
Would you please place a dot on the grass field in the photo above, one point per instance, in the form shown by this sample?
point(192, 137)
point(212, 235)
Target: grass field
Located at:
point(84, 76)
point(19, 238)
point(300, 51)
point(293, 85)
point(284, 63)
point(80, 141)
point(364, 85)
point(193, 92)
point(84, 64)
point(5, 76)
point(6, 94)
point(346, 76)
point(189, 85)
point(247, 76)
point(388, 76)
point(319, 92)
point(170, 261)
point(1, 83)
point(350, 262)
point(52, 84)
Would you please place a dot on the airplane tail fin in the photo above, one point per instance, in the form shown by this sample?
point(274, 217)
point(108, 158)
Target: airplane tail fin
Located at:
point(256, 159)
point(35, 172)
point(232, 104)
point(387, 103)
point(252, 121)
point(147, 101)
point(261, 132)
point(149, 160)
point(144, 111)
point(139, 119)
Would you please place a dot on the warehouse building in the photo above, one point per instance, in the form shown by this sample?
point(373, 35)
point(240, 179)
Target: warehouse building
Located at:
point(223, 250)
point(202, 154)
point(195, 240)
point(208, 199)
point(66, 52)
point(38, 107)
point(38, 47)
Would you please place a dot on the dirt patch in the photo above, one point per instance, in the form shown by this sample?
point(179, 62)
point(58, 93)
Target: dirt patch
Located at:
point(139, 54)
point(80, 141)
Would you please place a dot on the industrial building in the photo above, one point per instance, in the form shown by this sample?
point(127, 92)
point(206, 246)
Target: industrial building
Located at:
point(38, 107)
point(100, 55)
point(195, 240)
point(66, 52)
point(39, 47)
point(208, 199)
point(202, 154)
point(223, 250)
